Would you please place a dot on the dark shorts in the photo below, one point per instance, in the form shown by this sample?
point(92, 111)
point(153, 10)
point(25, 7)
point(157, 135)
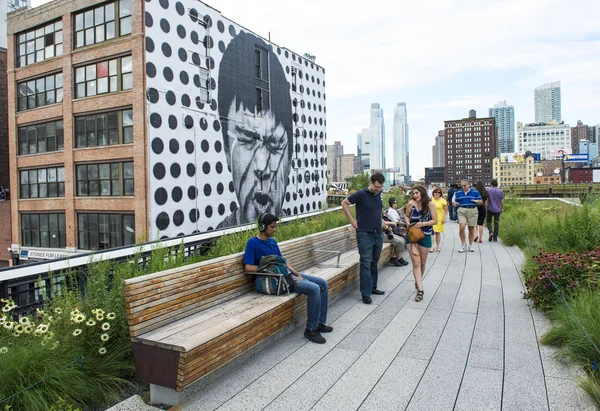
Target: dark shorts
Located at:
point(425, 242)
point(481, 216)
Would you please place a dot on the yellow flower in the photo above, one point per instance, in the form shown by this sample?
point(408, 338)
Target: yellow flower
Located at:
point(104, 337)
point(90, 322)
point(24, 320)
point(105, 326)
point(110, 316)
point(3, 350)
point(77, 332)
point(102, 350)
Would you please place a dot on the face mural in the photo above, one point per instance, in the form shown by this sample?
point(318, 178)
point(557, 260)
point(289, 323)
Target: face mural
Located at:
point(236, 125)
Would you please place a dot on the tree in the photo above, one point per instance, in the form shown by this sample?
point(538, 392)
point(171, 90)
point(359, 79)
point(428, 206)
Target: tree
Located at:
point(358, 181)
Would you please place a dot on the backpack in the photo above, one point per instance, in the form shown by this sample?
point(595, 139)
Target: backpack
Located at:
point(274, 285)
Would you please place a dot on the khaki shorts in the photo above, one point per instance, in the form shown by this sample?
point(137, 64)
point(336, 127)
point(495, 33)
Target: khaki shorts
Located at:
point(468, 216)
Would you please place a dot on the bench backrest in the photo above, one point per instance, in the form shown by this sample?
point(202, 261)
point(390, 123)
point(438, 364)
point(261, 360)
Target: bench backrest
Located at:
point(161, 298)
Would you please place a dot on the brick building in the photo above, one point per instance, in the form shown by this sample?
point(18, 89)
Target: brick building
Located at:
point(132, 119)
point(471, 145)
point(5, 234)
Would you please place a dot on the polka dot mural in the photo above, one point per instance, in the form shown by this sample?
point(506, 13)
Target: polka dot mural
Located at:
point(236, 124)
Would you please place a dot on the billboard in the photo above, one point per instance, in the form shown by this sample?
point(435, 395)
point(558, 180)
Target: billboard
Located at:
point(576, 158)
point(236, 125)
point(517, 157)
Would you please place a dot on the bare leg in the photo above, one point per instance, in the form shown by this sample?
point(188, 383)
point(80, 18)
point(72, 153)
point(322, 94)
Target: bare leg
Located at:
point(423, 252)
point(471, 234)
point(461, 233)
point(438, 241)
point(415, 258)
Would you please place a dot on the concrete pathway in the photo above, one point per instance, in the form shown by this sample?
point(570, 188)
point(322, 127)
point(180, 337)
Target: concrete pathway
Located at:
point(471, 344)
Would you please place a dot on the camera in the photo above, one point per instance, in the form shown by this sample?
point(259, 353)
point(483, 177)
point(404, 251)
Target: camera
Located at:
point(390, 236)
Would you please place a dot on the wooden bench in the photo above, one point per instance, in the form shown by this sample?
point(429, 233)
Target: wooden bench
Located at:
point(188, 321)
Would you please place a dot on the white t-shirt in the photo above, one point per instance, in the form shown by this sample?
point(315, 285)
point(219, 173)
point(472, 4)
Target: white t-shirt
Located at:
point(393, 215)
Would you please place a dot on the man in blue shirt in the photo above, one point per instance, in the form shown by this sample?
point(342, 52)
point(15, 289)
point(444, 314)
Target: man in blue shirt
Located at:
point(369, 216)
point(467, 200)
point(315, 288)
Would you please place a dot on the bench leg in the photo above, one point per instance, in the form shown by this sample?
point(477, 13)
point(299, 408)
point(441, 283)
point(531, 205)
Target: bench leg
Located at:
point(164, 395)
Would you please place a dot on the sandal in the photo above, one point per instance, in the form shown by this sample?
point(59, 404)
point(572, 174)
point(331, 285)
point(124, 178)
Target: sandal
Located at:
point(431, 250)
point(419, 296)
point(438, 249)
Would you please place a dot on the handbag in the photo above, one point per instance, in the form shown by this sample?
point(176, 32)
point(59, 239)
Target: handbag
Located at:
point(415, 234)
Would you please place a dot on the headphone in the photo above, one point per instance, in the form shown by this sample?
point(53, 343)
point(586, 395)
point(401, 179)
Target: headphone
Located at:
point(261, 223)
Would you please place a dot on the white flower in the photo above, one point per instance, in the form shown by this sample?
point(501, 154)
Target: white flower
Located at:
point(99, 316)
point(90, 322)
point(24, 320)
point(102, 350)
point(28, 329)
point(104, 337)
point(19, 328)
point(6, 309)
point(17, 334)
point(9, 325)
point(77, 332)
point(3, 320)
point(58, 310)
point(42, 328)
point(110, 316)
point(3, 350)
point(79, 318)
point(105, 326)
point(40, 311)
point(54, 345)
point(44, 342)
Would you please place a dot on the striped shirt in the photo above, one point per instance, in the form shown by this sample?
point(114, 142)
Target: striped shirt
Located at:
point(468, 199)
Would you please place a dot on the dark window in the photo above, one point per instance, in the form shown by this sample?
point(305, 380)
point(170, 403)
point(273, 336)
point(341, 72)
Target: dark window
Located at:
point(42, 182)
point(43, 230)
point(39, 44)
point(103, 231)
point(107, 179)
point(41, 138)
point(40, 92)
point(103, 23)
point(104, 129)
point(104, 77)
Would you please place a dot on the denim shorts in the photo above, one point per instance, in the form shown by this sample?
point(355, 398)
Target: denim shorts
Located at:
point(425, 242)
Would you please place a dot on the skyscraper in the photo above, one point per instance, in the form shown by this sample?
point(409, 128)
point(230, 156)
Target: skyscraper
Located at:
point(547, 103)
point(505, 121)
point(401, 138)
point(377, 137)
point(438, 150)
point(363, 144)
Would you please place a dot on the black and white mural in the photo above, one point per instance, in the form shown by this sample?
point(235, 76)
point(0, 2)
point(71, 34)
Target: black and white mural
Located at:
point(236, 124)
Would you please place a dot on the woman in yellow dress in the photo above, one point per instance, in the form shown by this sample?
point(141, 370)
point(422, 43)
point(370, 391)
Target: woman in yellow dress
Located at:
point(442, 209)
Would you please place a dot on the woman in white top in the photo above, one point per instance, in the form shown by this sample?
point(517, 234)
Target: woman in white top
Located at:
point(392, 212)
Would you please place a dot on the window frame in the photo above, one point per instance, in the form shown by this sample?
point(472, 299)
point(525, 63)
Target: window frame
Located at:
point(59, 138)
point(104, 178)
point(123, 129)
point(24, 94)
point(90, 86)
point(39, 33)
point(81, 29)
point(110, 230)
point(27, 234)
point(36, 187)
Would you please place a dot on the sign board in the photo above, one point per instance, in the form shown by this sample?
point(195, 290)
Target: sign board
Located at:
point(517, 157)
point(576, 158)
point(42, 254)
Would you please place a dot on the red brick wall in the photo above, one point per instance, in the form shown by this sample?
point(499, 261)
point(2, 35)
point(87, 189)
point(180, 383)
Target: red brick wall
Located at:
point(4, 169)
point(5, 240)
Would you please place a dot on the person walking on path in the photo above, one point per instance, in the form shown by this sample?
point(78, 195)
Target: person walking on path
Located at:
point(316, 289)
point(421, 212)
point(480, 187)
point(367, 224)
point(467, 200)
point(494, 205)
point(441, 206)
point(451, 208)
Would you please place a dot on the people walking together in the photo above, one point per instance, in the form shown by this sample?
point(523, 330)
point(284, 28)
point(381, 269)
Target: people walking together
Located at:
point(441, 206)
point(495, 205)
point(467, 199)
point(421, 213)
point(368, 224)
point(480, 187)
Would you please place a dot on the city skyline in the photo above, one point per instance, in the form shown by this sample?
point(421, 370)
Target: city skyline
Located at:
point(526, 44)
point(400, 140)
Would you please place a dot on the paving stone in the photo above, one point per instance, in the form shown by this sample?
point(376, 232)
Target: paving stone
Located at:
point(565, 395)
point(440, 384)
point(422, 342)
point(356, 384)
point(481, 389)
point(309, 388)
point(444, 298)
point(396, 386)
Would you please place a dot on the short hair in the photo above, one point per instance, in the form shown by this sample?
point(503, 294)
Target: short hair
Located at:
point(237, 80)
point(391, 201)
point(494, 183)
point(377, 177)
point(464, 180)
point(269, 219)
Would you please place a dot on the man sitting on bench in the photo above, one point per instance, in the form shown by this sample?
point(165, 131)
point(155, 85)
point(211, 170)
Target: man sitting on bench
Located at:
point(315, 288)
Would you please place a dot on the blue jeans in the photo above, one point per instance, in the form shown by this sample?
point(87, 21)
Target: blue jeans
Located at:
point(453, 212)
point(369, 248)
point(317, 291)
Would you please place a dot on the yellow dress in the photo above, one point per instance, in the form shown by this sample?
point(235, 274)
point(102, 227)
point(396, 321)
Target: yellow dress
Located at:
point(439, 204)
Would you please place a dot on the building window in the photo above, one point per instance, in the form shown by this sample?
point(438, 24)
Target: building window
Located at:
point(103, 231)
point(104, 129)
point(41, 138)
point(39, 44)
point(43, 182)
point(103, 23)
point(40, 92)
point(43, 230)
point(104, 77)
point(109, 179)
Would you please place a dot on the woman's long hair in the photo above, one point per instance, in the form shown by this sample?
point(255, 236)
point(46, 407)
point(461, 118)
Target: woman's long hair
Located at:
point(482, 191)
point(424, 200)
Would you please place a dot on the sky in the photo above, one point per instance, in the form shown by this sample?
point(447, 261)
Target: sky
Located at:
point(441, 57)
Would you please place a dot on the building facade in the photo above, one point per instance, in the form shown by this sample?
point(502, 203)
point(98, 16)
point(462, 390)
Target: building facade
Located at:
point(363, 144)
point(435, 175)
point(579, 133)
point(589, 148)
point(132, 119)
point(514, 173)
point(547, 99)
point(437, 151)
point(471, 145)
point(546, 139)
point(334, 151)
point(504, 115)
point(377, 138)
point(400, 147)
point(584, 175)
point(345, 167)
point(547, 172)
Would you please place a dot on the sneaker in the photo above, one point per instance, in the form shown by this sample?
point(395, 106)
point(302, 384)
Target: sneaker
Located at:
point(324, 328)
point(314, 336)
point(471, 249)
point(491, 237)
point(402, 262)
point(462, 248)
point(394, 262)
